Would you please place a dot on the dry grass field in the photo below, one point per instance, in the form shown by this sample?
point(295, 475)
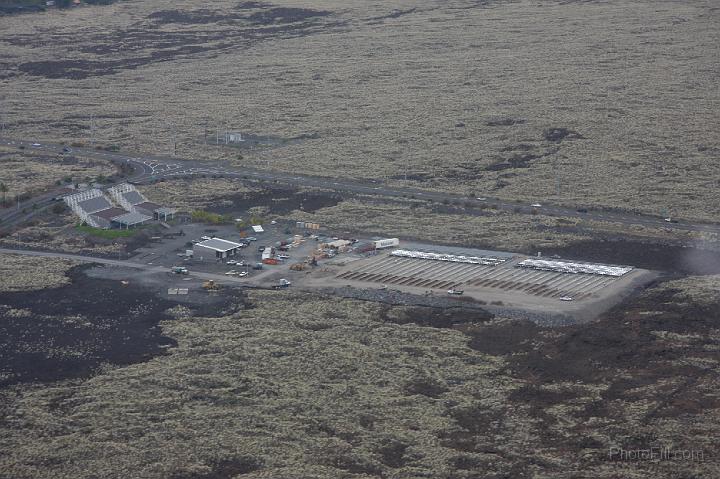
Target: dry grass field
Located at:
point(283, 385)
point(21, 273)
point(30, 173)
point(615, 102)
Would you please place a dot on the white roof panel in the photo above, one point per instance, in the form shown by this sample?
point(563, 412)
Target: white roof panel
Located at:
point(484, 260)
point(219, 244)
point(575, 268)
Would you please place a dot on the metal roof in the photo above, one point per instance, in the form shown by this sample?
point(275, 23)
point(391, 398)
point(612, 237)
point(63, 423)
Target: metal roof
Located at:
point(110, 213)
point(484, 260)
point(130, 219)
point(133, 197)
point(147, 205)
point(575, 268)
point(258, 229)
point(92, 205)
point(219, 244)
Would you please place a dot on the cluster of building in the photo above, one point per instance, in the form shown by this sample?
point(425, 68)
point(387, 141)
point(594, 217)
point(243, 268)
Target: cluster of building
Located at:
point(122, 207)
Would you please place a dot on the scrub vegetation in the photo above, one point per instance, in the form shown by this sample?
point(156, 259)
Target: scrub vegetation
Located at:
point(29, 174)
point(286, 384)
point(21, 273)
point(592, 103)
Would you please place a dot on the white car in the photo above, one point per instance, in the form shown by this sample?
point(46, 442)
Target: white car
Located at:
point(232, 272)
point(536, 205)
point(205, 238)
point(481, 199)
point(36, 144)
point(242, 274)
point(566, 298)
point(231, 262)
point(273, 222)
point(283, 256)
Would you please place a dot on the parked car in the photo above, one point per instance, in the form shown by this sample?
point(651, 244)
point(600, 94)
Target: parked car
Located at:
point(456, 292)
point(566, 298)
point(283, 256)
point(242, 274)
point(251, 238)
point(205, 238)
point(231, 262)
point(536, 205)
point(582, 210)
point(232, 272)
point(261, 249)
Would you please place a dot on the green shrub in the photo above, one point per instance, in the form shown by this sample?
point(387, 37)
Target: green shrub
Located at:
point(203, 216)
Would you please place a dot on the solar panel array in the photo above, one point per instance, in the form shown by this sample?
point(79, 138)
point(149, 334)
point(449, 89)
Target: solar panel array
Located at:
point(575, 268)
point(453, 258)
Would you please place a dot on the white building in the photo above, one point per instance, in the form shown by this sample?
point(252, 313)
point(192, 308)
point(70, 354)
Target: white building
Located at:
point(216, 248)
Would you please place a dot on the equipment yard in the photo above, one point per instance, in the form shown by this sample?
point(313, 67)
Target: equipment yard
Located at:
point(500, 280)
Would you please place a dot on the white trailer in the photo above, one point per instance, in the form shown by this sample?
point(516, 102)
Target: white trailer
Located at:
point(386, 243)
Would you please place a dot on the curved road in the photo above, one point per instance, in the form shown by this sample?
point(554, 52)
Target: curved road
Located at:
point(149, 168)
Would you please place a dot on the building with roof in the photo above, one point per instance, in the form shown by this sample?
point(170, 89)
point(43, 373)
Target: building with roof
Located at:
point(86, 203)
point(216, 248)
point(127, 196)
point(105, 217)
point(130, 219)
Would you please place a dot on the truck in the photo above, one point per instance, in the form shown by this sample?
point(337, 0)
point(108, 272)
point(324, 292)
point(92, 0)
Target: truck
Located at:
point(386, 243)
point(283, 283)
point(272, 261)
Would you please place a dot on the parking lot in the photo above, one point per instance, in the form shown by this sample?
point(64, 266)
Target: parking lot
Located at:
point(170, 251)
point(492, 277)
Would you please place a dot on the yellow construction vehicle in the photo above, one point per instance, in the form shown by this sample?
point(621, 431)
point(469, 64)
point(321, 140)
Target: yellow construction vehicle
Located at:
point(211, 285)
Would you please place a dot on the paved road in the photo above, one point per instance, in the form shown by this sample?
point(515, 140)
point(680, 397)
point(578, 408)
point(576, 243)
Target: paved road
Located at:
point(148, 168)
point(219, 278)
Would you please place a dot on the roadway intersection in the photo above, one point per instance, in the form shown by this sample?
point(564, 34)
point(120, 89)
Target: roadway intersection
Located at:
point(148, 168)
